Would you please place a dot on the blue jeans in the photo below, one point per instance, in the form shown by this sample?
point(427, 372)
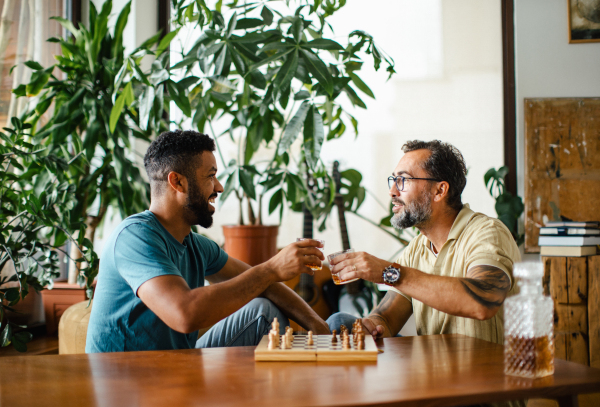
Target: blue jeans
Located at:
point(245, 327)
point(340, 318)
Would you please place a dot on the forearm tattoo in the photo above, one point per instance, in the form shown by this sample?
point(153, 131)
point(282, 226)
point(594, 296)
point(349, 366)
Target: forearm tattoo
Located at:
point(487, 285)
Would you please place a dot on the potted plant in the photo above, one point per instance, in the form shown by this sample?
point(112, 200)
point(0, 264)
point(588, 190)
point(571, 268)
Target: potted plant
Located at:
point(508, 207)
point(100, 101)
point(272, 77)
point(33, 224)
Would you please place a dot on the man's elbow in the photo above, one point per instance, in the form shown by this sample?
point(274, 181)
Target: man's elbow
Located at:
point(181, 320)
point(485, 313)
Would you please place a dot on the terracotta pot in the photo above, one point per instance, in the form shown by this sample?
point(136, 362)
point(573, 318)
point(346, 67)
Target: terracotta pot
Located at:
point(252, 244)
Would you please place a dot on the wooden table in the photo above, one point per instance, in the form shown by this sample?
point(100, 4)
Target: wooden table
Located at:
point(413, 371)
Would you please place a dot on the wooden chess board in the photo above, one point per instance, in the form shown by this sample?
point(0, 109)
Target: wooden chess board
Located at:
point(322, 350)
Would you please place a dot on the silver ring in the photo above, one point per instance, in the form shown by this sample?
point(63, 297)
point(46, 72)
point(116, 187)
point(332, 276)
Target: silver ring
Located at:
point(354, 267)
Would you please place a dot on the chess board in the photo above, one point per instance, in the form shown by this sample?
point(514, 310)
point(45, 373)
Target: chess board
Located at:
point(322, 350)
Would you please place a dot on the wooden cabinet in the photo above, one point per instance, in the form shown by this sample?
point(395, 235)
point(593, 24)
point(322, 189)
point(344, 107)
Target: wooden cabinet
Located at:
point(57, 300)
point(574, 285)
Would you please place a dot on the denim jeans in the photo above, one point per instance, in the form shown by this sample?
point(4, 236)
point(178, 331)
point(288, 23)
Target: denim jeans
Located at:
point(245, 327)
point(340, 318)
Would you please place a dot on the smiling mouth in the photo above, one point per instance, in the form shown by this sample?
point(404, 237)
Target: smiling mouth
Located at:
point(397, 206)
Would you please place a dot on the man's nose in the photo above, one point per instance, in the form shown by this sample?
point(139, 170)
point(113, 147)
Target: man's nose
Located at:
point(218, 187)
point(393, 192)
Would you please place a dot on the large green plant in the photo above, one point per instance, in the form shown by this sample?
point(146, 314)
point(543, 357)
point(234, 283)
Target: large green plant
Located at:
point(100, 101)
point(508, 207)
point(272, 77)
point(33, 222)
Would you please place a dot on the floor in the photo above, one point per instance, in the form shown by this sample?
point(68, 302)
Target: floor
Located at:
point(41, 344)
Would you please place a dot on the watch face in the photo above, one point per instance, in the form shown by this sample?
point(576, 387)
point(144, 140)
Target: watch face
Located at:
point(391, 275)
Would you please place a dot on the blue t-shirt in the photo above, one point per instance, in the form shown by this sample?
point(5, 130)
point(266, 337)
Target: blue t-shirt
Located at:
point(137, 251)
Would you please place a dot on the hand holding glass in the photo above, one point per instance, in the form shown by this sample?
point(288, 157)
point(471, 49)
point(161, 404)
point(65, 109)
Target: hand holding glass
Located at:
point(315, 267)
point(336, 277)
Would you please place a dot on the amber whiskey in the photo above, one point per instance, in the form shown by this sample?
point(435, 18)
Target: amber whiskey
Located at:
point(529, 325)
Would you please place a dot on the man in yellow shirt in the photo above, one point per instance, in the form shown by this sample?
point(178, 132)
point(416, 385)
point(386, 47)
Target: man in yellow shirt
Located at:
point(456, 274)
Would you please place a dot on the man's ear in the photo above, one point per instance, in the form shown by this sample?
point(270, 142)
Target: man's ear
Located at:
point(441, 191)
point(177, 182)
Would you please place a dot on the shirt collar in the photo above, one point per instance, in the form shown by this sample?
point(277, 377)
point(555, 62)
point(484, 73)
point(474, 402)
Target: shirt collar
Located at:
point(461, 221)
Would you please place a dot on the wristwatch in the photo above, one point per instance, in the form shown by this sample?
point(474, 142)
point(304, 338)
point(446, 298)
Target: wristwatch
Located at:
point(391, 274)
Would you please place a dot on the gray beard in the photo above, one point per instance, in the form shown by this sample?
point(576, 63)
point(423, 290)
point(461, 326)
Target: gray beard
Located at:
point(414, 214)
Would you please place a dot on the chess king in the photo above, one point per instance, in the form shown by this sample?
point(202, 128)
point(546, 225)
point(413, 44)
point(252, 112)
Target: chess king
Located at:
point(150, 293)
point(456, 274)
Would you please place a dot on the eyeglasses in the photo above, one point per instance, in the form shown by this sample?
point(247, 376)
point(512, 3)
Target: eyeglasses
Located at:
point(399, 181)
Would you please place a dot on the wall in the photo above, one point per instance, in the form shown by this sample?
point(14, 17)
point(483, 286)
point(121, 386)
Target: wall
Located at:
point(546, 65)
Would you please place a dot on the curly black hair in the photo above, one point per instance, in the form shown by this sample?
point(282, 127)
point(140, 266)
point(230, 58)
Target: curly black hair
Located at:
point(177, 151)
point(446, 163)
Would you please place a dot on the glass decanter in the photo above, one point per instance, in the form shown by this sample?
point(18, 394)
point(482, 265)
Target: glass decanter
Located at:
point(528, 325)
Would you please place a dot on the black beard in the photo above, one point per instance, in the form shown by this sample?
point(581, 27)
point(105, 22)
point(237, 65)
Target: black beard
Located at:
point(414, 214)
point(196, 210)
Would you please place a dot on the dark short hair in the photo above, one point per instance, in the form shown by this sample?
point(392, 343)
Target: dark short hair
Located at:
point(445, 163)
point(176, 151)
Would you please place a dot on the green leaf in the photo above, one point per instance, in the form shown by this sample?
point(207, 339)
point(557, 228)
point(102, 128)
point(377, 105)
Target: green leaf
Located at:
point(276, 200)
point(179, 98)
point(323, 43)
point(293, 128)
point(20, 90)
point(314, 135)
point(34, 65)
point(128, 92)
point(5, 336)
point(246, 23)
point(146, 104)
point(286, 72)
point(356, 101)
point(231, 25)
point(303, 94)
point(116, 111)
point(297, 28)
point(361, 85)
point(67, 25)
point(246, 182)
point(229, 186)
point(39, 80)
point(165, 42)
point(119, 27)
point(318, 69)
point(272, 58)
point(267, 15)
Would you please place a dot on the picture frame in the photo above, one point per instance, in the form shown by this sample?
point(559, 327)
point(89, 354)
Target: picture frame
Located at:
point(584, 21)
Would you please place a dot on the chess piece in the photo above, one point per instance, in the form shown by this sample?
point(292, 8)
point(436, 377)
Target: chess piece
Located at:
point(346, 343)
point(272, 341)
point(333, 337)
point(310, 341)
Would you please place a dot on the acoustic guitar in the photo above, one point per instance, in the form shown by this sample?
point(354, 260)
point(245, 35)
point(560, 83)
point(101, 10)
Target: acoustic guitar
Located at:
point(356, 286)
point(310, 288)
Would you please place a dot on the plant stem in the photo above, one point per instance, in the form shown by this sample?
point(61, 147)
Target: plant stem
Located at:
point(401, 240)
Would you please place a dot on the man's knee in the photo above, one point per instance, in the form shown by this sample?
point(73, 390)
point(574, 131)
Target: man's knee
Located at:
point(338, 319)
point(262, 307)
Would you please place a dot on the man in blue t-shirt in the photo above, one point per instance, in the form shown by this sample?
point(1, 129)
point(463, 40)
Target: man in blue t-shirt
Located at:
point(150, 293)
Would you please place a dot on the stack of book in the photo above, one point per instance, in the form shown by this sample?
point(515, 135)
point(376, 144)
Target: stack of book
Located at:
point(572, 239)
